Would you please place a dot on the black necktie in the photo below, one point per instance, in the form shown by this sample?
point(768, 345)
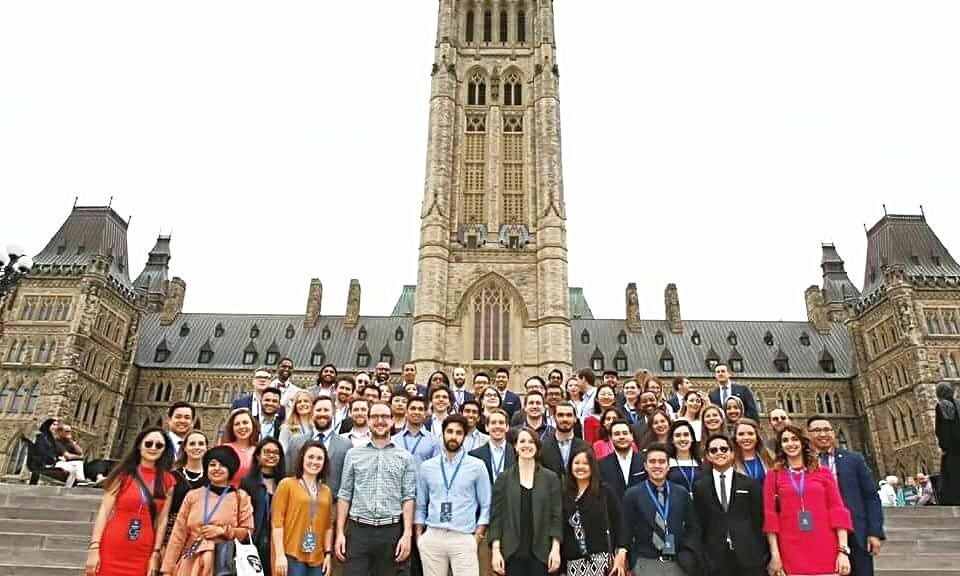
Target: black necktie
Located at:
point(660, 523)
point(724, 503)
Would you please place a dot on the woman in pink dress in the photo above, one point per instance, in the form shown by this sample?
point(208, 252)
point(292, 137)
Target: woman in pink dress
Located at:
point(805, 520)
point(604, 446)
point(241, 432)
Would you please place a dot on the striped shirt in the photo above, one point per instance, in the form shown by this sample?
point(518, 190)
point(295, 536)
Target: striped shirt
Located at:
point(377, 481)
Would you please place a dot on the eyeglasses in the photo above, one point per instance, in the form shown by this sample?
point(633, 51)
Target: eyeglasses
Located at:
point(380, 416)
point(820, 430)
point(151, 444)
point(271, 453)
point(719, 450)
point(777, 418)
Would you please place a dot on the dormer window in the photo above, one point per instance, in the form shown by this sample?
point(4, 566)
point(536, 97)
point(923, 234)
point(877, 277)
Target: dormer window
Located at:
point(782, 364)
point(732, 338)
point(290, 333)
point(666, 364)
point(584, 337)
point(363, 357)
point(317, 358)
point(736, 364)
point(325, 333)
point(768, 338)
point(386, 355)
point(206, 356)
point(362, 333)
point(184, 329)
point(272, 358)
point(827, 363)
point(398, 334)
point(658, 338)
point(218, 331)
point(162, 353)
point(695, 338)
point(596, 361)
point(249, 357)
point(254, 332)
point(804, 339)
point(622, 337)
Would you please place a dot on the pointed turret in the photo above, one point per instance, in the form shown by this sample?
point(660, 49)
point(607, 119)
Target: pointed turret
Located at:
point(907, 241)
point(151, 284)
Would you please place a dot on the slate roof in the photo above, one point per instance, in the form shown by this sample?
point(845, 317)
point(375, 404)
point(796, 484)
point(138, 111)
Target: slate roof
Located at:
point(578, 303)
point(906, 240)
point(643, 351)
point(153, 279)
point(837, 287)
point(88, 231)
point(339, 347)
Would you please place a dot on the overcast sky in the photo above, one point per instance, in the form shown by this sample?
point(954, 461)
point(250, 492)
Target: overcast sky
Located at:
point(710, 144)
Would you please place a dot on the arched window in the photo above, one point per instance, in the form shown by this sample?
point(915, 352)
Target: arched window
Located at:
point(5, 392)
point(952, 365)
point(513, 90)
point(19, 399)
point(96, 412)
point(894, 430)
point(798, 400)
point(487, 26)
point(477, 90)
point(828, 402)
point(41, 352)
point(842, 440)
point(837, 407)
point(189, 395)
point(504, 38)
point(166, 393)
point(469, 27)
point(78, 407)
point(789, 407)
point(913, 422)
point(819, 400)
point(33, 400)
point(17, 458)
point(491, 323)
point(903, 424)
point(944, 369)
point(521, 27)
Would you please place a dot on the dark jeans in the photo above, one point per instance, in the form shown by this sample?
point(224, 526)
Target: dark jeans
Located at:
point(526, 567)
point(861, 562)
point(298, 568)
point(371, 550)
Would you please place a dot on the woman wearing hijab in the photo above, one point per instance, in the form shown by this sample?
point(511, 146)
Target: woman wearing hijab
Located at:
point(210, 515)
point(948, 437)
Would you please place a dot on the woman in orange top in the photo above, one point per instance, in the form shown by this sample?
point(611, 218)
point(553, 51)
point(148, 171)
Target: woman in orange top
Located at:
point(302, 511)
point(241, 432)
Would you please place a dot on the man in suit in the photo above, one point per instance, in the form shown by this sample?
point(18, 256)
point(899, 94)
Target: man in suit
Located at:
point(180, 418)
point(729, 508)
point(409, 376)
point(459, 390)
point(623, 469)
point(859, 494)
point(535, 417)
point(497, 454)
point(509, 400)
point(779, 419)
point(269, 417)
point(261, 381)
point(681, 385)
point(337, 446)
point(659, 519)
point(727, 388)
point(561, 446)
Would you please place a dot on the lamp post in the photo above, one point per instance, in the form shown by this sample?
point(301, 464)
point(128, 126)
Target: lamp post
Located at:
point(14, 265)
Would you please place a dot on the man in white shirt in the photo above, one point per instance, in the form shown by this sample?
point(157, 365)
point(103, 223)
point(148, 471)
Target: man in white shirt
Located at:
point(439, 410)
point(622, 469)
point(284, 384)
point(497, 455)
point(269, 416)
point(460, 393)
point(180, 417)
point(359, 433)
point(474, 438)
point(588, 392)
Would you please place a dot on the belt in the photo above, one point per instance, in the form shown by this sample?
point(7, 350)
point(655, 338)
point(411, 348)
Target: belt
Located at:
point(378, 522)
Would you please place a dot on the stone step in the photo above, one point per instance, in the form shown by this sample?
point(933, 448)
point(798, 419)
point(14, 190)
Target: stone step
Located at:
point(926, 522)
point(46, 527)
point(923, 546)
point(67, 558)
point(41, 490)
point(23, 541)
point(63, 513)
point(86, 503)
point(924, 512)
point(15, 569)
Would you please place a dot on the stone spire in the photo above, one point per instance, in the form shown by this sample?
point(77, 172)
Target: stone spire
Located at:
point(671, 302)
point(314, 298)
point(352, 316)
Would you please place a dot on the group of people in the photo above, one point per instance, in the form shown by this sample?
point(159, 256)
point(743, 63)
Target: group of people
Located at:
point(359, 476)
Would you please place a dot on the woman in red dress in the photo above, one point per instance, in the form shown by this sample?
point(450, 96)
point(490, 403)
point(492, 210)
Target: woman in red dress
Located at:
point(805, 520)
point(242, 433)
point(128, 533)
point(605, 397)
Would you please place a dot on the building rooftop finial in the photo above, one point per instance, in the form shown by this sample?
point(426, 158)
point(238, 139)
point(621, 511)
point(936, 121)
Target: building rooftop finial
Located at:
point(922, 214)
point(884, 209)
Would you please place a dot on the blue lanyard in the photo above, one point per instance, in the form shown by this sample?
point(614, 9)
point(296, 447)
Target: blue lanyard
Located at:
point(801, 486)
point(443, 470)
point(415, 444)
point(689, 480)
point(586, 403)
point(664, 510)
point(754, 468)
point(207, 516)
point(314, 498)
point(493, 462)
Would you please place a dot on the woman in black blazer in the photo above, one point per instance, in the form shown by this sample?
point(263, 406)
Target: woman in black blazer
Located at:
point(591, 522)
point(526, 526)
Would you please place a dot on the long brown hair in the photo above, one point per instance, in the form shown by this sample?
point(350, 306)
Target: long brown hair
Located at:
point(810, 461)
point(229, 438)
point(124, 471)
point(762, 452)
point(650, 437)
point(181, 460)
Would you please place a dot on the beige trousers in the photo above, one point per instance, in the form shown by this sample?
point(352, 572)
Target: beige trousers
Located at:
point(442, 550)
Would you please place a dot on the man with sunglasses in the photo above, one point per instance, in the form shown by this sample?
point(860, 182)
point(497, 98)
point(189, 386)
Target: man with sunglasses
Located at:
point(779, 419)
point(729, 506)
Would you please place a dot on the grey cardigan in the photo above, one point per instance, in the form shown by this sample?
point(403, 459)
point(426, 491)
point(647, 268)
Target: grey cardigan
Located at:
point(505, 522)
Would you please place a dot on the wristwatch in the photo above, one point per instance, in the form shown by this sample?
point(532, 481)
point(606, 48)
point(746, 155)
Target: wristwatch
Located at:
point(844, 550)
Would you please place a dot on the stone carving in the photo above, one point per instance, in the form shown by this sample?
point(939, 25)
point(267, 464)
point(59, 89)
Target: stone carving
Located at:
point(633, 308)
point(352, 316)
point(672, 306)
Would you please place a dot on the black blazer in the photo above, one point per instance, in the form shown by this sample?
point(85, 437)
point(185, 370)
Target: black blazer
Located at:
point(743, 521)
point(638, 520)
point(857, 488)
point(484, 453)
point(505, 520)
point(511, 403)
point(551, 458)
point(613, 477)
point(742, 392)
point(246, 401)
point(600, 517)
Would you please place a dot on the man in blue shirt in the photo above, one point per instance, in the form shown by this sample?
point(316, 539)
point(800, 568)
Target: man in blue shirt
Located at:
point(416, 439)
point(453, 505)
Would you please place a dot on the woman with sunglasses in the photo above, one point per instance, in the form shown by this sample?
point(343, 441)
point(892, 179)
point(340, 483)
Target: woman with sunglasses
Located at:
point(211, 515)
point(805, 520)
point(298, 427)
point(691, 411)
point(241, 433)
point(267, 471)
point(604, 446)
point(750, 456)
point(188, 470)
point(132, 519)
point(302, 517)
point(591, 528)
point(605, 397)
point(684, 452)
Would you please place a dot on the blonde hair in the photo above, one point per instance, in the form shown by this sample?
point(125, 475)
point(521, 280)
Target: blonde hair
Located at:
point(293, 422)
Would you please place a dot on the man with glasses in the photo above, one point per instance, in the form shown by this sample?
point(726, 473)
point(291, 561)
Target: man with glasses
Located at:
point(481, 381)
point(858, 491)
point(729, 506)
point(252, 401)
point(779, 419)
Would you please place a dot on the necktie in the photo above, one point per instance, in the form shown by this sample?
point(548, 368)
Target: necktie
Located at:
point(724, 503)
point(322, 438)
point(660, 523)
point(724, 394)
point(825, 459)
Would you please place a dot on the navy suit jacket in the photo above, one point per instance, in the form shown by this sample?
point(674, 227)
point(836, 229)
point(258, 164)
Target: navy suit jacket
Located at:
point(744, 394)
point(466, 396)
point(611, 474)
point(484, 453)
point(860, 496)
point(246, 401)
point(511, 403)
point(638, 521)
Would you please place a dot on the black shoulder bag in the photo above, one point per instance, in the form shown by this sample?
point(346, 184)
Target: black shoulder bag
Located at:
point(151, 503)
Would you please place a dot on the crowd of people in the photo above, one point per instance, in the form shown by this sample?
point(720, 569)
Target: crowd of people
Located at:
point(584, 476)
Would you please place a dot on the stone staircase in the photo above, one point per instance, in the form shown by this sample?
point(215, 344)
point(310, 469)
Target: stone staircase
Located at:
point(44, 531)
point(921, 542)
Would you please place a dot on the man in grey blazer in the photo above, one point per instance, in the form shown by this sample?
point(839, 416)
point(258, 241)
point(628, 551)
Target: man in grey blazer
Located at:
point(337, 446)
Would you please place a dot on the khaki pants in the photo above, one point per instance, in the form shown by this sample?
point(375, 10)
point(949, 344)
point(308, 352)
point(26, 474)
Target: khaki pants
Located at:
point(486, 559)
point(441, 550)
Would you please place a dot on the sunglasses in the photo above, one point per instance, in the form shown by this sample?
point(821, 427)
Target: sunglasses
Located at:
point(151, 444)
point(777, 419)
point(719, 450)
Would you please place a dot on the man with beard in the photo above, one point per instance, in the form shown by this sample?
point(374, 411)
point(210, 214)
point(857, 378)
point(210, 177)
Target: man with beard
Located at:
point(337, 446)
point(376, 498)
point(474, 439)
point(779, 419)
point(261, 381)
point(284, 383)
point(326, 382)
point(453, 505)
point(341, 405)
point(509, 401)
point(269, 417)
point(416, 439)
point(460, 393)
point(561, 446)
point(381, 373)
point(623, 469)
point(359, 433)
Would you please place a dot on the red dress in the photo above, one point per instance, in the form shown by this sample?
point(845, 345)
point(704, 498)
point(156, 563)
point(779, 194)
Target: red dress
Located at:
point(813, 552)
point(120, 556)
point(246, 462)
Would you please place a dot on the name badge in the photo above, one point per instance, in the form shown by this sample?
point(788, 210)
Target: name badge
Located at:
point(446, 512)
point(669, 545)
point(805, 519)
point(309, 542)
point(133, 530)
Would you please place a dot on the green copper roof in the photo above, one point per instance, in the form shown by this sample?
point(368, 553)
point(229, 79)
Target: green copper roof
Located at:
point(579, 309)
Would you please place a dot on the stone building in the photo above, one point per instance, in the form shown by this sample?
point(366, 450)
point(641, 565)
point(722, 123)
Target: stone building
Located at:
point(80, 341)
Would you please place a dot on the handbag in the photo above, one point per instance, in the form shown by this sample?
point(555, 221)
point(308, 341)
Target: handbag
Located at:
point(234, 558)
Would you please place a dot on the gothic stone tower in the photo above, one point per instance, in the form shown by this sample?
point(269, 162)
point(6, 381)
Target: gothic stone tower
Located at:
point(492, 282)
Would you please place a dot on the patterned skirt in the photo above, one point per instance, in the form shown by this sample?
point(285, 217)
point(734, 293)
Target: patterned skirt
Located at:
point(593, 565)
